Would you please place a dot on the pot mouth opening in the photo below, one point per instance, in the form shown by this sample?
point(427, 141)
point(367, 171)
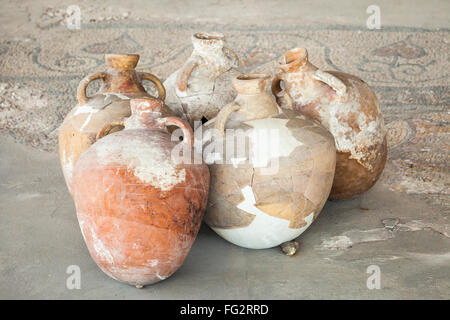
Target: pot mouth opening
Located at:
point(253, 76)
point(122, 55)
point(122, 61)
point(294, 56)
point(209, 36)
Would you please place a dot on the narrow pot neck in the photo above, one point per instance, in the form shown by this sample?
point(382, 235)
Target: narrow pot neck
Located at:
point(296, 61)
point(209, 45)
point(145, 113)
point(122, 82)
point(253, 98)
point(251, 84)
point(121, 76)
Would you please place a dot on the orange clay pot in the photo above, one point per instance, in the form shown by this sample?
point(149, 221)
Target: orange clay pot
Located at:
point(139, 210)
point(112, 102)
point(348, 108)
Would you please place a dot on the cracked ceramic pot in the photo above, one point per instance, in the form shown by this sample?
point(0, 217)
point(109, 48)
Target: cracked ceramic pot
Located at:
point(274, 170)
point(120, 84)
point(348, 108)
point(201, 87)
point(140, 209)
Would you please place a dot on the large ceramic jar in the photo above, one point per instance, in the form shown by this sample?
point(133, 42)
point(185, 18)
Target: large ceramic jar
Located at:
point(268, 188)
point(120, 84)
point(139, 207)
point(200, 87)
point(348, 108)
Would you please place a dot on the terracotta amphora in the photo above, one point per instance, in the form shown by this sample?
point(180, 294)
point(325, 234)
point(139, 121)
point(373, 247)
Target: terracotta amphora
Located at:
point(140, 209)
point(348, 108)
point(270, 185)
point(200, 87)
point(120, 84)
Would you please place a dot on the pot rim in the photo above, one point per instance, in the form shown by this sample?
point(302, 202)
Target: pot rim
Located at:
point(122, 60)
point(209, 36)
point(294, 58)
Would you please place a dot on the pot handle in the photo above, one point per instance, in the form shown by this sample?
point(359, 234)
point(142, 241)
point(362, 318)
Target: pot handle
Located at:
point(185, 73)
point(81, 90)
point(156, 81)
point(223, 115)
point(232, 54)
point(108, 127)
point(188, 134)
point(332, 81)
point(283, 98)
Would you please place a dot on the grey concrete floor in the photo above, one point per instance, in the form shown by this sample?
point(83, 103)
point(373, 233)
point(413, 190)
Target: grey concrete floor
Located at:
point(40, 237)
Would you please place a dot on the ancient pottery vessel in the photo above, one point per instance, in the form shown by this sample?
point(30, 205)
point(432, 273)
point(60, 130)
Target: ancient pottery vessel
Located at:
point(348, 108)
point(201, 86)
point(120, 84)
point(138, 209)
point(272, 188)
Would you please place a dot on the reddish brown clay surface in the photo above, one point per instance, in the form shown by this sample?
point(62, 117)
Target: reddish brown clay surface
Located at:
point(138, 210)
point(120, 84)
point(348, 108)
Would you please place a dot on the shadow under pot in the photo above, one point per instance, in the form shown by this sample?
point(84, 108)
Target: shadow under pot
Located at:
point(348, 108)
point(198, 90)
point(139, 205)
point(120, 83)
point(272, 169)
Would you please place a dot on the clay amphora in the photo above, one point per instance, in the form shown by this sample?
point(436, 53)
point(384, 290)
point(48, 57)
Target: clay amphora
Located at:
point(269, 191)
point(201, 86)
point(138, 210)
point(120, 84)
point(348, 108)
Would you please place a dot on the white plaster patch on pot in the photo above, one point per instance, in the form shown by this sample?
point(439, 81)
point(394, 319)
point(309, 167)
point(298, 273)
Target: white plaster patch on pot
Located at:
point(68, 165)
point(306, 93)
point(346, 139)
point(85, 109)
point(100, 248)
point(148, 163)
point(270, 139)
point(90, 111)
point(264, 231)
point(81, 223)
point(153, 263)
point(160, 277)
point(119, 95)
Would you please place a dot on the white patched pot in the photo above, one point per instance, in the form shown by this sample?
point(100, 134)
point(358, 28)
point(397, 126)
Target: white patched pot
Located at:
point(273, 168)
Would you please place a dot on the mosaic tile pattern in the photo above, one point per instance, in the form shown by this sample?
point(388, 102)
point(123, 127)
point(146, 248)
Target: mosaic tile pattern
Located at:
point(407, 67)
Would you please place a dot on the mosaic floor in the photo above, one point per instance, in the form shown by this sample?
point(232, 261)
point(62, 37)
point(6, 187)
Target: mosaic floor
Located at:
point(407, 67)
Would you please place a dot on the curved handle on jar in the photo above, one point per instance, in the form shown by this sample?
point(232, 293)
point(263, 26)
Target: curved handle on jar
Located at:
point(185, 73)
point(332, 81)
point(223, 115)
point(283, 99)
point(81, 90)
point(188, 134)
point(108, 127)
point(156, 81)
point(232, 54)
